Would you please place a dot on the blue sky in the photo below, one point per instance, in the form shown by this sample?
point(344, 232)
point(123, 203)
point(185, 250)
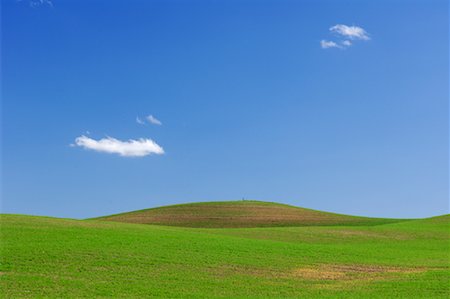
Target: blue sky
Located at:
point(253, 99)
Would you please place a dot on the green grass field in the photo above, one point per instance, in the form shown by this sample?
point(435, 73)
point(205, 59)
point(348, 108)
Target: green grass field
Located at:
point(341, 257)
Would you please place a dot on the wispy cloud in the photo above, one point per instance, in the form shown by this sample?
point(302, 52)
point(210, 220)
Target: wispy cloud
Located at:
point(351, 32)
point(130, 148)
point(148, 119)
point(37, 3)
point(140, 121)
point(325, 44)
point(345, 35)
point(153, 120)
point(347, 43)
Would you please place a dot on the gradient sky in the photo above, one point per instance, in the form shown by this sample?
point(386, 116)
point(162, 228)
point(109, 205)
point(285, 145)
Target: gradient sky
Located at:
point(251, 105)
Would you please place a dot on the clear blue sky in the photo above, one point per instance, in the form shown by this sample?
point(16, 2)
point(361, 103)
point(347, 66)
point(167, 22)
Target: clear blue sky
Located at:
point(251, 104)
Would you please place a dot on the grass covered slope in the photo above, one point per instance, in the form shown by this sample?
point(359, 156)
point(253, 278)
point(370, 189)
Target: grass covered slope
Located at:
point(239, 214)
point(58, 258)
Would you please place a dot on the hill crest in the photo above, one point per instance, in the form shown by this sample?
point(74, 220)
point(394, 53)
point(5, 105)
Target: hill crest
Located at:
point(244, 213)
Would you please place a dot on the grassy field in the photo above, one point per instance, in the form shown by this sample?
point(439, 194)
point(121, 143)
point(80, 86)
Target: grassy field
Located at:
point(51, 257)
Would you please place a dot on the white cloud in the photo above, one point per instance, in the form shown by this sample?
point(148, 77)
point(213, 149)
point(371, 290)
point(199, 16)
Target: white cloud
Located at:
point(346, 35)
point(131, 148)
point(153, 120)
point(346, 43)
point(325, 44)
point(37, 3)
point(139, 121)
point(351, 32)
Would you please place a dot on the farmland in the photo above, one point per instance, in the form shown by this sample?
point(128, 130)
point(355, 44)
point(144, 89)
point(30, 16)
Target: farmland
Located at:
point(246, 257)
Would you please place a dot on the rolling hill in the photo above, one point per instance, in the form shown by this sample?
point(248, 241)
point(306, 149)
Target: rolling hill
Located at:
point(248, 213)
point(340, 257)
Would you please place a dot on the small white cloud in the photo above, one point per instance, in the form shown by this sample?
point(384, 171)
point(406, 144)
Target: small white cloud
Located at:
point(346, 43)
point(131, 148)
point(139, 121)
point(346, 35)
point(153, 120)
point(325, 44)
point(37, 3)
point(350, 32)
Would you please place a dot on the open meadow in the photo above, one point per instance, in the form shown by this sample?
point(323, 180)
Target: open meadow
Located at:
point(340, 257)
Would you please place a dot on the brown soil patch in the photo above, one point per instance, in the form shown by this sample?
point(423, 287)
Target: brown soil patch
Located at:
point(351, 272)
point(321, 273)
